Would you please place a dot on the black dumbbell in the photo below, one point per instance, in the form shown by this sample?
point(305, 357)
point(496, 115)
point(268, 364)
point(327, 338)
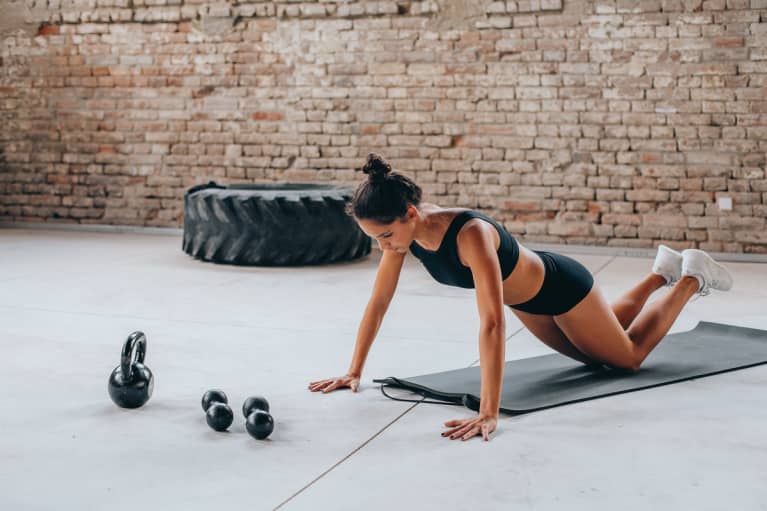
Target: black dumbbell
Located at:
point(258, 421)
point(255, 403)
point(218, 415)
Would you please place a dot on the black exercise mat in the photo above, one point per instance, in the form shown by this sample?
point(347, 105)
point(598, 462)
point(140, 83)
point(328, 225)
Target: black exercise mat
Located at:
point(552, 380)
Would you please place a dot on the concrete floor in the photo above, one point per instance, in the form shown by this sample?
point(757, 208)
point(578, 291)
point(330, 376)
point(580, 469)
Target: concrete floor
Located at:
point(69, 300)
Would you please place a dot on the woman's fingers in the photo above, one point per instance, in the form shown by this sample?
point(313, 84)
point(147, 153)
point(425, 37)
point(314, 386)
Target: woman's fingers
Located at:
point(338, 382)
point(334, 383)
point(319, 385)
point(460, 425)
point(473, 431)
point(466, 428)
point(462, 430)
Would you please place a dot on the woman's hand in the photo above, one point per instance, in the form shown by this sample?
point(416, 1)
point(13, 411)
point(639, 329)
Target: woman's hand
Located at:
point(348, 380)
point(467, 428)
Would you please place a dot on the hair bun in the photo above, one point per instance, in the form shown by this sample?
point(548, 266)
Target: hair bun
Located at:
point(376, 167)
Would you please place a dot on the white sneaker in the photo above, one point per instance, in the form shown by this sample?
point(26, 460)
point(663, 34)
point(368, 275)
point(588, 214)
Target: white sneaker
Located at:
point(668, 264)
point(710, 274)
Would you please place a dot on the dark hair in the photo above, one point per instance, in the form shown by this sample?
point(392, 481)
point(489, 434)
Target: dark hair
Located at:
point(385, 195)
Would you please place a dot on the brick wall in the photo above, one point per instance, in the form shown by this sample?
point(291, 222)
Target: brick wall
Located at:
point(589, 122)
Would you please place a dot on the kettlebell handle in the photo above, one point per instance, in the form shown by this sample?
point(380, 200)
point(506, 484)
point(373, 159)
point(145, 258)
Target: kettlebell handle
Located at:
point(135, 346)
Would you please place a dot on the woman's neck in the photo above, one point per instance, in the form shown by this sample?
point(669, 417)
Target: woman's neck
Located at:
point(429, 228)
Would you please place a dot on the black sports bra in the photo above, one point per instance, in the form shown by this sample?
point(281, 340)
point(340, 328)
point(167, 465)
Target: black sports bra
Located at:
point(444, 265)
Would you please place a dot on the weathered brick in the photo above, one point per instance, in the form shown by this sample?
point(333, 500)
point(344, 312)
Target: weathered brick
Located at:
point(621, 219)
point(654, 220)
point(570, 228)
point(692, 196)
point(759, 237)
point(647, 195)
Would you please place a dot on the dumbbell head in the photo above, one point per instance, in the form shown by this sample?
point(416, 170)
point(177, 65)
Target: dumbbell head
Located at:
point(219, 416)
point(254, 403)
point(213, 396)
point(259, 424)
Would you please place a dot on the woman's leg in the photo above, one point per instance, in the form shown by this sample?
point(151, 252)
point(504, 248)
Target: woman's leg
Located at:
point(544, 328)
point(667, 267)
point(655, 320)
point(627, 307)
point(594, 328)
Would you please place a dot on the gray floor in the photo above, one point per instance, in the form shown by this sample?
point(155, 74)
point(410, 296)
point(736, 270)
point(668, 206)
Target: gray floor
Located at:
point(69, 299)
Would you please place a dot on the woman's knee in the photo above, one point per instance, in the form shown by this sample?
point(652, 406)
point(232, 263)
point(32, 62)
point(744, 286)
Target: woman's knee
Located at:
point(593, 328)
point(630, 361)
point(626, 358)
point(622, 353)
point(627, 368)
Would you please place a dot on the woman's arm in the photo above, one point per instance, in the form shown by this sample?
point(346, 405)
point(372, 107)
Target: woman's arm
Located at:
point(477, 248)
point(389, 270)
point(386, 282)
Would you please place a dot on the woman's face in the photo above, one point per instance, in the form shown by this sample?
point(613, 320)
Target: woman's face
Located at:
point(396, 236)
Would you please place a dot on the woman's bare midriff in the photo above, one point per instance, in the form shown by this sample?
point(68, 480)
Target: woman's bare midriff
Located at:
point(525, 280)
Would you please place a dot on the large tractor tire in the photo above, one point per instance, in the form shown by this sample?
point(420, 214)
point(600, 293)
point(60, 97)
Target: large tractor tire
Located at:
point(271, 224)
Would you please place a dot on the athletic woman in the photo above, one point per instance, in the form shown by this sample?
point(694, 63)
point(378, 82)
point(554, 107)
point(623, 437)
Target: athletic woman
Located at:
point(554, 296)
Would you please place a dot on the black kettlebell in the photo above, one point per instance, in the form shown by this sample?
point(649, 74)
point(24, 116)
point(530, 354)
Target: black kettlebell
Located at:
point(131, 383)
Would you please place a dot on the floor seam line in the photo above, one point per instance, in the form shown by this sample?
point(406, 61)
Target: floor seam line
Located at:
point(605, 265)
point(342, 460)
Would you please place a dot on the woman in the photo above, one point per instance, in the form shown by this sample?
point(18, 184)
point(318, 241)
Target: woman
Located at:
point(553, 295)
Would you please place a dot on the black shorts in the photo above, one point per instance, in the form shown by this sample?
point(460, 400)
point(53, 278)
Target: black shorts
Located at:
point(565, 284)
